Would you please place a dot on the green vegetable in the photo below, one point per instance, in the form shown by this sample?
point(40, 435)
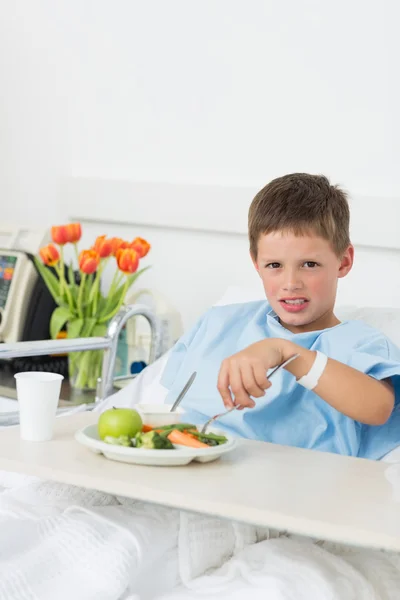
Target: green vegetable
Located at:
point(166, 429)
point(122, 440)
point(152, 441)
point(178, 426)
point(209, 438)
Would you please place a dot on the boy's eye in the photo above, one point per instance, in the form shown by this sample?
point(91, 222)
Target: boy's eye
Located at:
point(273, 265)
point(310, 264)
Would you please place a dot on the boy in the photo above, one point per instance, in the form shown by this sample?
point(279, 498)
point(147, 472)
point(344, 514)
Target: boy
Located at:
point(340, 394)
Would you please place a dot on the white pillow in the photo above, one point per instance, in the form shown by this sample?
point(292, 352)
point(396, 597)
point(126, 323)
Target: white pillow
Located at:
point(235, 294)
point(384, 318)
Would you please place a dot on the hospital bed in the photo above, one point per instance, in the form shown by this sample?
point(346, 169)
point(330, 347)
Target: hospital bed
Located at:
point(259, 487)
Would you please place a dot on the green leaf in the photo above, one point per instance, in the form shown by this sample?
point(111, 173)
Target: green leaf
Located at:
point(86, 290)
point(71, 275)
point(51, 281)
point(132, 278)
point(94, 289)
point(99, 330)
point(74, 294)
point(102, 304)
point(88, 327)
point(114, 300)
point(59, 317)
point(75, 328)
point(72, 284)
point(116, 297)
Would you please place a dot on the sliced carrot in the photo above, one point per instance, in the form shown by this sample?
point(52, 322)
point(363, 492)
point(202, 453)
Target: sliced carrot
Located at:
point(183, 439)
point(146, 428)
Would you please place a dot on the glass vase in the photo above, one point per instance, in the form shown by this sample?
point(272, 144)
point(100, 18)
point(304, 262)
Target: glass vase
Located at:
point(84, 369)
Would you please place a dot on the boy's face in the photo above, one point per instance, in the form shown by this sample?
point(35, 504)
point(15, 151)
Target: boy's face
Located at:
point(300, 275)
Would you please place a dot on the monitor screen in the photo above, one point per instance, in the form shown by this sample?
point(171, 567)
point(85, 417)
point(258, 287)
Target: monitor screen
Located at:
point(7, 268)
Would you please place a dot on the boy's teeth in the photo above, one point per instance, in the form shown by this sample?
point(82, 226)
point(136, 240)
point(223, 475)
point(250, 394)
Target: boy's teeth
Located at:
point(298, 301)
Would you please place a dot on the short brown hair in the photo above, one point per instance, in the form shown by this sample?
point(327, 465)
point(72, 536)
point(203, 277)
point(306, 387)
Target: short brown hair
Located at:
point(301, 203)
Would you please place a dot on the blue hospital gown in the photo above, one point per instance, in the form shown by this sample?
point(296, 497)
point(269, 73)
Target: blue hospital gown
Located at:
point(288, 414)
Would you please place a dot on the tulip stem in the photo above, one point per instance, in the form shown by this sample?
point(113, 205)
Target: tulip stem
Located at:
point(61, 271)
point(114, 285)
point(96, 288)
point(80, 293)
point(76, 254)
point(96, 296)
point(120, 303)
point(111, 292)
point(63, 283)
point(95, 291)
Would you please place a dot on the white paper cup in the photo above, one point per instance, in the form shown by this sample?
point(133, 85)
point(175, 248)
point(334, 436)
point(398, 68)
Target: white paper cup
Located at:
point(38, 394)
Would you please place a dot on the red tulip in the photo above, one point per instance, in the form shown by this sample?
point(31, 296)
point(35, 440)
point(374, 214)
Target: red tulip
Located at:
point(141, 246)
point(49, 255)
point(103, 246)
point(62, 234)
point(89, 260)
point(127, 260)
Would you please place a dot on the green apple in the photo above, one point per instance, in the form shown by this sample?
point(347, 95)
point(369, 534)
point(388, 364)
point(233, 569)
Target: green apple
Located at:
point(119, 421)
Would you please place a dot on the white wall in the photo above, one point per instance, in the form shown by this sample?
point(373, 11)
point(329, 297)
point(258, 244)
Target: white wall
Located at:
point(215, 91)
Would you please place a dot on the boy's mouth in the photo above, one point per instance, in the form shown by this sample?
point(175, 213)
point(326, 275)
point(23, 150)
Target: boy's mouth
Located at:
point(294, 304)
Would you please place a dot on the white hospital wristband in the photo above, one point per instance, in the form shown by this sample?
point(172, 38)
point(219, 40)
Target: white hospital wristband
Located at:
point(310, 380)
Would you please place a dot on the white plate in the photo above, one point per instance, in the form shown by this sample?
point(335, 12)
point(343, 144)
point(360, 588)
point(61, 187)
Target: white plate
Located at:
point(88, 436)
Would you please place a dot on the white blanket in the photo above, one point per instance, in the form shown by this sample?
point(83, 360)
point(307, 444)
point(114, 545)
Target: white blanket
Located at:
point(64, 542)
point(289, 569)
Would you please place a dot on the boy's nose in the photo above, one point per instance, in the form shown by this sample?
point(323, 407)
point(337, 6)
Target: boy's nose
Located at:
point(292, 283)
point(292, 287)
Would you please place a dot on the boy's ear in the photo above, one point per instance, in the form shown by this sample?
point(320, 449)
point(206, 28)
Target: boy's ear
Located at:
point(346, 262)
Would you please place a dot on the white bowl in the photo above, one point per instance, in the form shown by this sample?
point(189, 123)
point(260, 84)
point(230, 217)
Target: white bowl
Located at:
point(158, 415)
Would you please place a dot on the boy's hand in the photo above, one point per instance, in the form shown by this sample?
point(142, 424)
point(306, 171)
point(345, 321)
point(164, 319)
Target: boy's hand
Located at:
point(245, 374)
point(349, 391)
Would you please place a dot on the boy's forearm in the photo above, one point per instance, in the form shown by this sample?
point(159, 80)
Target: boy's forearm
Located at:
point(351, 392)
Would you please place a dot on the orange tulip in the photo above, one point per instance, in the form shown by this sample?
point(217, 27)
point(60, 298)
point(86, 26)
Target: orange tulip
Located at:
point(141, 246)
point(49, 255)
point(89, 260)
point(74, 232)
point(62, 234)
point(59, 234)
point(116, 244)
point(103, 246)
point(127, 260)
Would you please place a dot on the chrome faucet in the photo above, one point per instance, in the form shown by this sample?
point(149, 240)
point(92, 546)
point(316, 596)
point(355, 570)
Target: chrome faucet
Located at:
point(109, 344)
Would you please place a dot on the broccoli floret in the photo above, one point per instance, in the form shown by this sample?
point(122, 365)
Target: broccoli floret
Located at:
point(122, 440)
point(152, 441)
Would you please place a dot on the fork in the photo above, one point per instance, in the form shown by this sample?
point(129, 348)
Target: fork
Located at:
point(208, 423)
